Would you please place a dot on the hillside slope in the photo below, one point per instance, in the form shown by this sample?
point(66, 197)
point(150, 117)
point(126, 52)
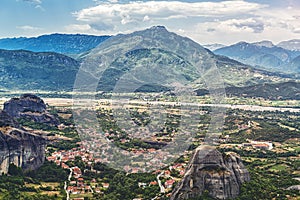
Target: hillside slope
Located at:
point(26, 70)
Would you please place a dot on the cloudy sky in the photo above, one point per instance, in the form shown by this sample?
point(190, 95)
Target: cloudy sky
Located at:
point(205, 21)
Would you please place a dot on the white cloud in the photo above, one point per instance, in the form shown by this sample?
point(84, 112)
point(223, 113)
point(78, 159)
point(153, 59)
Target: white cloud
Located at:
point(267, 24)
point(223, 22)
point(251, 25)
point(78, 28)
point(33, 1)
point(87, 29)
point(136, 12)
point(29, 28)
point(36, 3)
point(146, 18)
point(284, 19)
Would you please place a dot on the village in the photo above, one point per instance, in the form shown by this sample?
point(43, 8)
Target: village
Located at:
point(76, 185)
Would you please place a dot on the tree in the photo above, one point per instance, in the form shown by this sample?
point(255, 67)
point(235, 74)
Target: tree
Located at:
point(14, 170)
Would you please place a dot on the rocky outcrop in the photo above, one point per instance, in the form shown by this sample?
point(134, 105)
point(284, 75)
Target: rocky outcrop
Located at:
point(31, 107)
point(6, 120)
point(221, 175)
point(24, 149)
point(294, 187)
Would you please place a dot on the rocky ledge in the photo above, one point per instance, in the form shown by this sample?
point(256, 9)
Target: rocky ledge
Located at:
point(221, 175)
point(31, 107)
point(24, 149)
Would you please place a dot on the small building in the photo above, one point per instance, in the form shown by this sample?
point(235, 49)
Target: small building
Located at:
point(105, 185)
point(153, 183)
point(169, 183)
point(142, 185)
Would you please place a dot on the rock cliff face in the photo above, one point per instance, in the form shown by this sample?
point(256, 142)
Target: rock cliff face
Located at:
point(30, 107)
point(221, 175)
point(24, 149)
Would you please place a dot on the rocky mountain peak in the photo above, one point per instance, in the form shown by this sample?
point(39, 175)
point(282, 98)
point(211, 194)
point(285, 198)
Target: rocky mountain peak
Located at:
point(161, 28)
point(264, 43)
point(210, 170)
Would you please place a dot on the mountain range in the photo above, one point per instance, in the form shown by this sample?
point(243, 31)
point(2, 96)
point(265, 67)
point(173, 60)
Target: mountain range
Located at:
point(59, 43)
point(293, 45)
point(167, 65)
point(265, 55)
point(48, 65)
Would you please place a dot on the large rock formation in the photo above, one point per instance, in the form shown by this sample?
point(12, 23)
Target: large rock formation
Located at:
point(221, 175)
point(24, 149)
point(31, 107)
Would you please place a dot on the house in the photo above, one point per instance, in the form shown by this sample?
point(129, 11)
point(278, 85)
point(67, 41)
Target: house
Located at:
point(261, 146)
point(64, 166)
point(69, 188)
point(88, 188)
point(135, 170)
point(75, 190)
point(153, 183)
point(152, 150)
point(182, 172)
point(167, 173)
point(169, 183)
point(51, 158)
point(80, 179)
point(77, 172)
point(57, 162)
point(105, 185)
point(142, 185)
point(98, 190)
point(72, 182)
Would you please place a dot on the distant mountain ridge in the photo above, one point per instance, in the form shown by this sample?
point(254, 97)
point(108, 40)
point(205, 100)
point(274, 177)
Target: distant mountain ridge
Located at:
point(263, 55)
point(293, 45)
point(264, 43)
point(213, 47)
point(59, 43)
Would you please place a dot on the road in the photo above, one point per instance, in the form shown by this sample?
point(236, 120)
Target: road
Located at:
point(87, 102)
point(70, 175)
point(229, 106)
point(162, 189)
point(66, 185)
point(65, 188)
